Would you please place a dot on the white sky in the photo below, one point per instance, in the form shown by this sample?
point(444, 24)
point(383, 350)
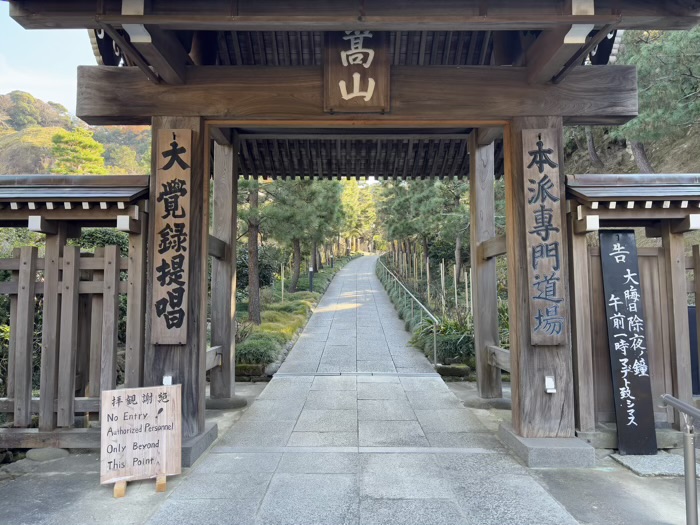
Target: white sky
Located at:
point(42, 63)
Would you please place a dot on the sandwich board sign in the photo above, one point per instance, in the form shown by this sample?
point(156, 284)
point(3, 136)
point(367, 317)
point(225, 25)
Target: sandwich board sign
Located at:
point(141, 435)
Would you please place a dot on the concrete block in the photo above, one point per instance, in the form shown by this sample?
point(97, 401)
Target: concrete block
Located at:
point(195, 446)
point(548, 452)
point(606, 437)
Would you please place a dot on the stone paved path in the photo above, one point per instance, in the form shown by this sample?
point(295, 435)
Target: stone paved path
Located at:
point(357, 429)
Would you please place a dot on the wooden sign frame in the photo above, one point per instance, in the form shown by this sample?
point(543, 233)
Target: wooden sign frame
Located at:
point(171, 237)
point(141, 433)
point(549, 311)
point(357, 72)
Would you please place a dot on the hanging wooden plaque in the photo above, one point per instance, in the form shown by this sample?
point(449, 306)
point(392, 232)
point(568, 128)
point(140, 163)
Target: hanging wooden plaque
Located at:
point(356, 72)
point(172, 234)
point(629, 360)
point(549, 311)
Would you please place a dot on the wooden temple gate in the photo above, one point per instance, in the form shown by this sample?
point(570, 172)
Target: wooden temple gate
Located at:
point(267, 89)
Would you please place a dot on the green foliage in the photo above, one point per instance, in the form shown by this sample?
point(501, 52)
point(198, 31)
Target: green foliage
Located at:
point(426, 212)
point(259, 349)
point(668, 67)
point(127, 148)
point(29, 126)
point(270, 258)
point(4, 356)
point(92, 238)
point(20, 110)
point(77, 153)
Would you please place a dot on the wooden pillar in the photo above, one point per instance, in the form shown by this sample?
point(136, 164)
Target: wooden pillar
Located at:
point(110, 318)
point(50, 329)
point(582, 337)
point(674, 253)
point(184, 363)
point(136, 305)
point(536, 413)
point(24, 338)
point(96, 312)
point(223, 272)
point(68, 342)
point(483, 228)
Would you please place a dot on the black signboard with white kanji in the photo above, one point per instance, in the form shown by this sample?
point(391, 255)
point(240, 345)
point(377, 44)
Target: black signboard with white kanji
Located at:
point(627, 341)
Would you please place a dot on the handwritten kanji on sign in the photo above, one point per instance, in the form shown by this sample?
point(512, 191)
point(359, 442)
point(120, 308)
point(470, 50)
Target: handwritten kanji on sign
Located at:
point(549, 311)
point(172, 235)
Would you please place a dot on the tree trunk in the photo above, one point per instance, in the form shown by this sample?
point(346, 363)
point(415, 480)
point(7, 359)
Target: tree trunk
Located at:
point(348, 246)
point(424, 240)
point(458, 256)
point(319, 263)
point(253, 266)
point(296, 265)
point(592, 153)
point(577, 140)
point(640, 157)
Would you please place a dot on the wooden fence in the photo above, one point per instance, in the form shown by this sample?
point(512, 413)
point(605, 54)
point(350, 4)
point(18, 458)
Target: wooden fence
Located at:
point(78, 295)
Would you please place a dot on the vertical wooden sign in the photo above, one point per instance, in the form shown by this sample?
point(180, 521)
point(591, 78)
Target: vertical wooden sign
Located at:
point(634, 408)
point(543, 222)
point(141, 433)
point(357, 72)
point(172, 234)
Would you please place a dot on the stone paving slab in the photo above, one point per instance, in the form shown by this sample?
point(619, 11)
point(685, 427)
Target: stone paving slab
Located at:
point(662, 464)
point(380, 440)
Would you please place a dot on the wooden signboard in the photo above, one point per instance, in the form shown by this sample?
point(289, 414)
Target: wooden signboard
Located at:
point(543, 221)
point(172, 235)
point(141, 433)
point(629, 360)
point(357, 72)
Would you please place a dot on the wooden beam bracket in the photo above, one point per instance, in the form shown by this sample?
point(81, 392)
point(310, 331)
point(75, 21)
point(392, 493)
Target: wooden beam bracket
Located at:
point(126, 223)
point(38, 224)
point(690, 223)
point(217, 247)
point(493, 247)
point(499, 357)
point(214, 357)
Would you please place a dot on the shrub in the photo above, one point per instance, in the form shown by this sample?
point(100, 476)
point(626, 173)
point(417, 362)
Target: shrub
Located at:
point(259, 349)
point(291, 307)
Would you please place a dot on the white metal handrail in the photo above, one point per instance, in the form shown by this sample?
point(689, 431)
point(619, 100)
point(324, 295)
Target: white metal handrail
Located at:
point(689, 414)
point(407, 294)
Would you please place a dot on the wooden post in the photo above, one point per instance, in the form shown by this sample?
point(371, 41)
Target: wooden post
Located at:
point(50, 328)
point(24, 338)
point(110, 318)
point(136, 305)
point(582, 337)
point(483, 228)
point(427, 273)
point(466, 291)
point(95, 374)
point(674, 253)
point(14, 277)
point(223, 277)
point(184, 363)
point(68, 345)
point(282, 275)
point(454, 271)
point(536, 413)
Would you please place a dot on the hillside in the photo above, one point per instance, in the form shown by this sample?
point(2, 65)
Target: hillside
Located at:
point(669, 155)
point(42, 137)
